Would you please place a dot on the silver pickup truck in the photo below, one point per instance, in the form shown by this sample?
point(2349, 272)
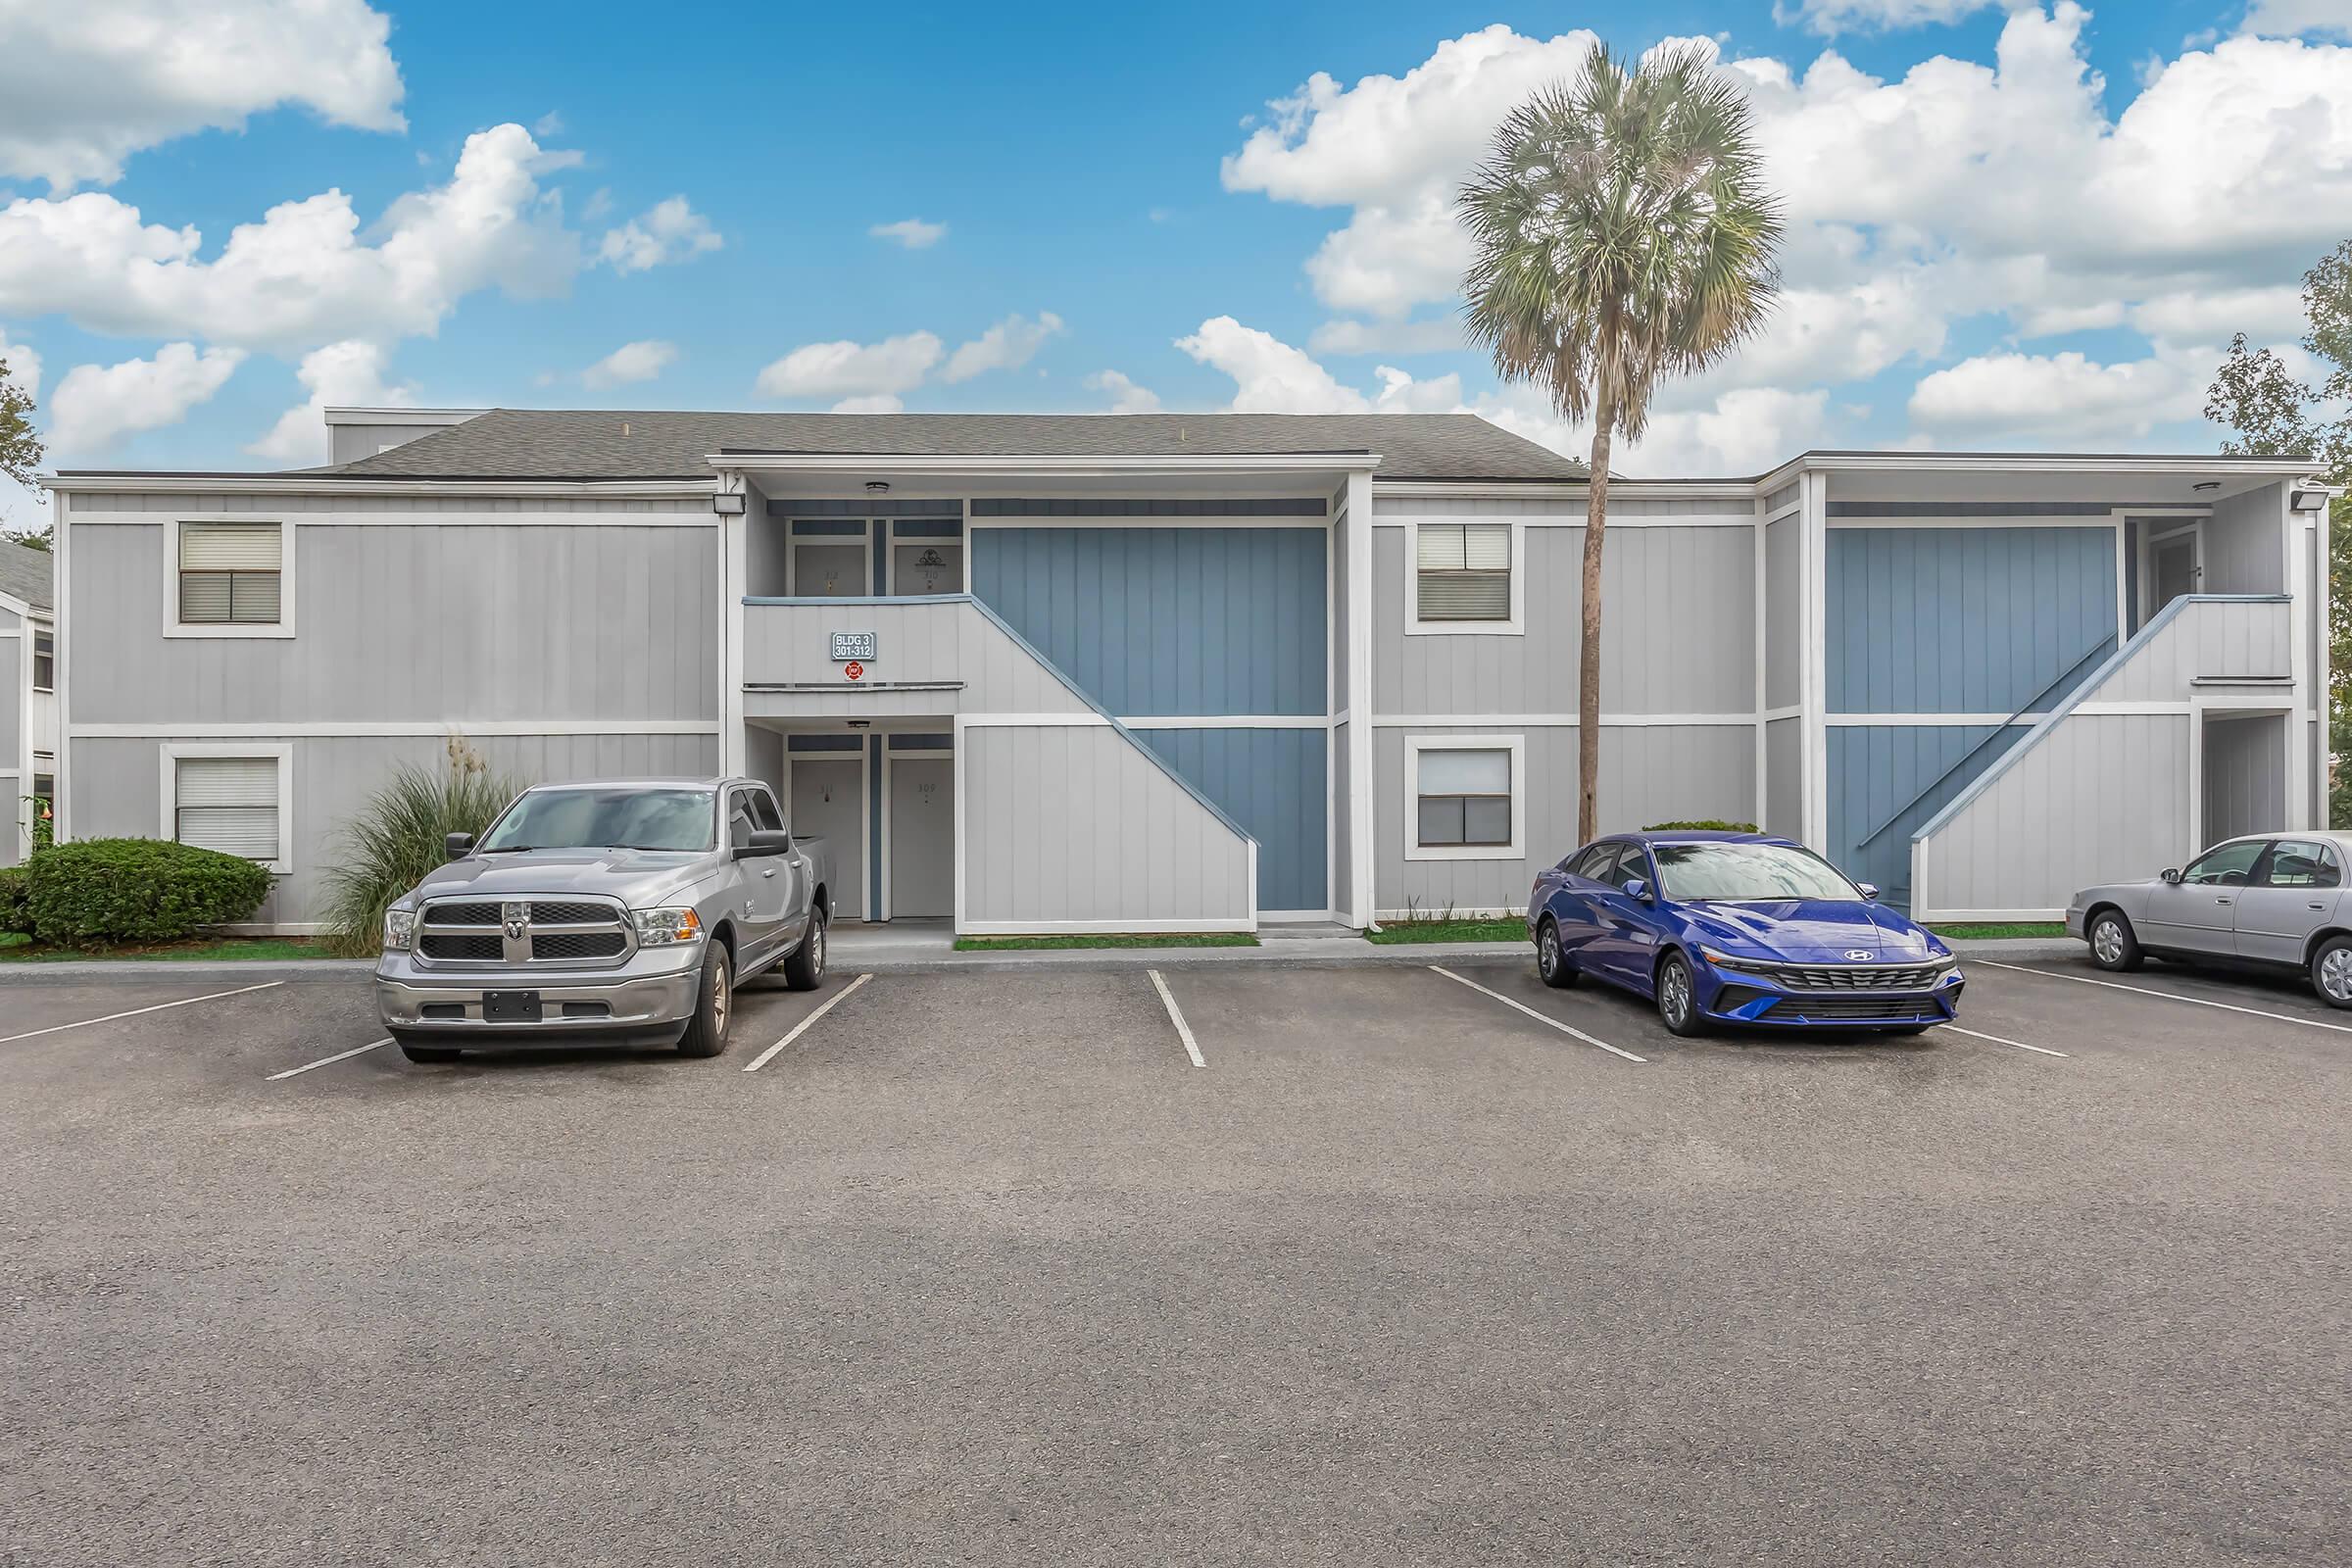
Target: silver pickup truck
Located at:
point(626, 911)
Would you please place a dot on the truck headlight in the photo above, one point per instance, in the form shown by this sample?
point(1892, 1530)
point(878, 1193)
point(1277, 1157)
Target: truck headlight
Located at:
point(400, 930)
point(661, 927)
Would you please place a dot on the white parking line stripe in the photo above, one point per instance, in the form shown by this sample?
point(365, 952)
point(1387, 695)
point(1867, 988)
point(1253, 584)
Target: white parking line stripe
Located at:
point(801, 1028)
point(1998, 1041)
point(136, 1011)
point(1184, 1031)
point(327, 1061)
point(2169, 996)
point(1538, 1017)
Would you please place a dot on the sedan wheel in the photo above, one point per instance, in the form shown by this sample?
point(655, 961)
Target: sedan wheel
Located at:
point(2113, 946)
point(1677, 997)
point(1550, 963)
point(2331, 972)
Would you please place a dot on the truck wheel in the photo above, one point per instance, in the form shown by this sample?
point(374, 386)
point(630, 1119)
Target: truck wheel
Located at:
point(415, 1052)
point(707, 1031)
point(804, 970)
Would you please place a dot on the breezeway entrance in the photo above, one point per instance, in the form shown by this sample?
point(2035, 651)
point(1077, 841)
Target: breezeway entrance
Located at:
point(884, 801)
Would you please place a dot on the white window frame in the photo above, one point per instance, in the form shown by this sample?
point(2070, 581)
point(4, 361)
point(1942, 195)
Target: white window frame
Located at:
point(1414, 745)
point(2149, 539)
point(35, 631)
point(169, 755)
point(283, 627)
point(1416, 626)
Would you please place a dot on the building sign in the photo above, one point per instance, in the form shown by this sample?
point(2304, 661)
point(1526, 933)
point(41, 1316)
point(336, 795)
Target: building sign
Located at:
point(848, 644)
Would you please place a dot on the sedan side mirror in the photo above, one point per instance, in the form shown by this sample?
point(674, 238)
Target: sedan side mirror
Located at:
point(1869, 891)
point(763, 841)
point(2172, 874)
point(1637, 890)
point(457, 846)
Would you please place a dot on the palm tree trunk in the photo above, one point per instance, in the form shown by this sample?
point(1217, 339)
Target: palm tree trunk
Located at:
point(1587, 664)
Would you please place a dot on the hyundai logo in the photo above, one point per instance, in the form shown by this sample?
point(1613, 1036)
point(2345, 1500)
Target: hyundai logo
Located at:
point(1859, 954)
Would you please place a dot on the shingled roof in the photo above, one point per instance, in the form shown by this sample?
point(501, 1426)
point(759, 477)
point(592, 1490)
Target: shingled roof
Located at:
point(25, 574)
point(625, 444)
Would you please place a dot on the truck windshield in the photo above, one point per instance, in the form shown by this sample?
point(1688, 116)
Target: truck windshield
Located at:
point(1761, 873)
point(598, 818)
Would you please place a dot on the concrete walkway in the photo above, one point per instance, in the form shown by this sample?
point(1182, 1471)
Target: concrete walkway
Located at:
point(881, 950)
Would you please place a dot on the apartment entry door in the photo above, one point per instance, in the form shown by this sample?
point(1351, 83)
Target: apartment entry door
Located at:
point(922, 837)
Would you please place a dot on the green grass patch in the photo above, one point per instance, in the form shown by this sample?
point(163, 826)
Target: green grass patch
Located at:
point(17, 947)
point(1509, 928)
point(1173, 939)
point(2000, 929)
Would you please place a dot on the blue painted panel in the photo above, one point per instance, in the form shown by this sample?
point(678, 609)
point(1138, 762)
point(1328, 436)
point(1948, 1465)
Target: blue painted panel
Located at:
point(1175, 621)
point(1964, 621)
point(1272, 782)
point(873, 817)
point(1876, 771)
point(806, 529)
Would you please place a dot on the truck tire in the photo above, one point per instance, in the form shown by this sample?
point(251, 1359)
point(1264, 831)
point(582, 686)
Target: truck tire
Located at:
point(804, 970)
point(713, 1006)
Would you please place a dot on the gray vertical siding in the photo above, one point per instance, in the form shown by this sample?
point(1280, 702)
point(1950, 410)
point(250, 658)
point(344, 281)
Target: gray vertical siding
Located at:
point(1784, 612)
point(1964, 621)
point(113, 785)
point(1338, 652)
point(1648, 773)
point(1271, 781)
point(1784, 779)
point(1678, 629)
point(16, 781)
point(348, 443)
point(1342, 866)
point(1170, 621)
point(421, 623)
point(2246, 552)
point(1071, 826)
point(2245, 775)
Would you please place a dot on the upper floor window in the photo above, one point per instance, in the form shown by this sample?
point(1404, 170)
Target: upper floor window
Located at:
point(1463, 577)
point(44, 662)
point(232, 573)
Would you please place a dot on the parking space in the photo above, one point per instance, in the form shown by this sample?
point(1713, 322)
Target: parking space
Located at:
point(1229, 1263)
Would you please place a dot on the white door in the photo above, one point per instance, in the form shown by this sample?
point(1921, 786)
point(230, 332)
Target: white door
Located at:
point(926, 567)
point(826, 805)
point(922, 837)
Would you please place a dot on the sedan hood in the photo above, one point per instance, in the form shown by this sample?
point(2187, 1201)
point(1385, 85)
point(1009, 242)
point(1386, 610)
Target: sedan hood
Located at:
point(640, 878)
point(1812, 929)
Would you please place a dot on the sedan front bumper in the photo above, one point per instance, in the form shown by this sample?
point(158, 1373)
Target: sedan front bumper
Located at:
point(1744, 998)
point(641, 1003)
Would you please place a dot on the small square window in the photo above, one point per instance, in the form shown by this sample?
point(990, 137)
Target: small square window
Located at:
point(1463, 797)
point(1462, 571)
point(229, 573)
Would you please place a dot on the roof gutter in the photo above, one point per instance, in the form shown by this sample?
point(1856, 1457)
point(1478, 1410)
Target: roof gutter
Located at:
point(1081, 468)
point(276, 484)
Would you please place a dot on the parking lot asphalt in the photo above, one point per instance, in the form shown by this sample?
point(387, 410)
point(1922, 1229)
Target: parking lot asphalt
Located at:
point(1412, 1266)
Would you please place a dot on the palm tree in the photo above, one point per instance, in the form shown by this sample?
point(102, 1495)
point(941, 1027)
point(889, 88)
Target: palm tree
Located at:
point(1623, 235)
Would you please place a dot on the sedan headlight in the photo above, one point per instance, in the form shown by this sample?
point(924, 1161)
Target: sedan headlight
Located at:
point(657, 928)
point(400, 930)
point(1718, 956)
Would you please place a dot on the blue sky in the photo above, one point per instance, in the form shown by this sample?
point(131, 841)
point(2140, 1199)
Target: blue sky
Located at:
point(1988, 247)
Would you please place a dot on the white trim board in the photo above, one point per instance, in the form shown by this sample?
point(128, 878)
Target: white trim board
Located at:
point(1137, 927)
point(1233, 721)
point(1573, 520)
point(1064, 520)
point(347, 729)
point(1561, 720)
point(408, 519)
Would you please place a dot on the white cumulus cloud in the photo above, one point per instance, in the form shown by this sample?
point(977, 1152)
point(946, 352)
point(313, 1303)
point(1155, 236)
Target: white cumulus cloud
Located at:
point(24, 365)
point(1878, 15)
point(95, 406)
point(912, 232)
point(2065, 399)
point(348, 374)
point(2286, 18)
point(1006, 346)
point(869, 402)
point(86, 83)
point(641, 361)
point(670, 230)
point(1125, 396)
point(301, 276)
point(851, 370)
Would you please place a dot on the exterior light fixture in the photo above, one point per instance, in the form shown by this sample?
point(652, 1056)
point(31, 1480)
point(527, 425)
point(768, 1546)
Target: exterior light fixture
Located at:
point(861, 723)
point(877, 487)
point(727, 502)
point(2203, 485)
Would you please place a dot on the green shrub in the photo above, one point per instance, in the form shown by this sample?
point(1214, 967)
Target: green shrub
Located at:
point(15, 898)
point(1709, 826)
point(101, 891)
point(396, 840)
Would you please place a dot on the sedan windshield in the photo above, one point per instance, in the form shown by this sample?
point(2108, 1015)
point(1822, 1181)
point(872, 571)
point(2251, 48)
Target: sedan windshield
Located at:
point(1764, 873)
point(602, 819)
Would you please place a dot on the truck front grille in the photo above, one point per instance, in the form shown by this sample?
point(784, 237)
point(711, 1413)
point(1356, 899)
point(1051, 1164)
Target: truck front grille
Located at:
point(578, 944)
point(549, 931)
point(465, 914)
point(465, 946)
point(571, 913)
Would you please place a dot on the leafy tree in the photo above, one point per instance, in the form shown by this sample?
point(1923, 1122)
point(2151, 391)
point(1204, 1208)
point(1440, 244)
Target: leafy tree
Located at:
point(19, 449)
point(1623, 235)
point(2276, 413)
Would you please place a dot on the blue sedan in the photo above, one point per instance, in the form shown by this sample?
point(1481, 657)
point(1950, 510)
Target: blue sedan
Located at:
point(1738, 928)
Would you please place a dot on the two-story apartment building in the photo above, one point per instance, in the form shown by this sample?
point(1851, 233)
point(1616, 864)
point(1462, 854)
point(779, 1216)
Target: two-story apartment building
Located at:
point(29, 733)
point(1173, 672)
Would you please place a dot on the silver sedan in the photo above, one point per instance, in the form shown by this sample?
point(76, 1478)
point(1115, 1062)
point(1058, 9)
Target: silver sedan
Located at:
point(2269, 899)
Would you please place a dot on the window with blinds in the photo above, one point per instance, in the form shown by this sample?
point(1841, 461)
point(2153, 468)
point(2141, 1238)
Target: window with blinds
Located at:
point(227, 804)
point(228, 573)
point(1463, 571)
point(1464, 798)
point(44, 662)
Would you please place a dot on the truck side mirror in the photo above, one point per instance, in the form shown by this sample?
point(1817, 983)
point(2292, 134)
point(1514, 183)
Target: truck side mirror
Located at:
point(457, 846)
point(763, 842)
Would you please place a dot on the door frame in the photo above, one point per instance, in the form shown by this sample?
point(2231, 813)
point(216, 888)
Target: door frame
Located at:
point(865, 797)
point(890, 806)
point(861, 541)
point(2149, 539)
point(2199, 708)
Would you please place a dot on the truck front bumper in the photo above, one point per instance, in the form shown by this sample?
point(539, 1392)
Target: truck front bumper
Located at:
point(640, 1002)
